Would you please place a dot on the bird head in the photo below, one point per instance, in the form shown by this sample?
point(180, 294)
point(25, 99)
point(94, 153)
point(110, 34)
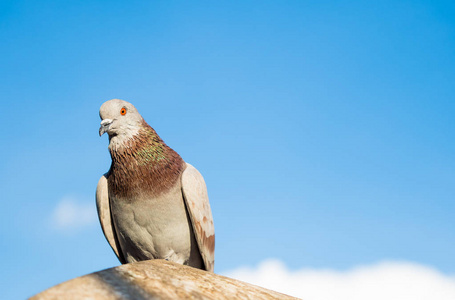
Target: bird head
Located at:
point(119, 119)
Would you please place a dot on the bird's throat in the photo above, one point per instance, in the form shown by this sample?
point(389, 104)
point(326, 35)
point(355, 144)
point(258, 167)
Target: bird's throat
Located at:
point(144, 164)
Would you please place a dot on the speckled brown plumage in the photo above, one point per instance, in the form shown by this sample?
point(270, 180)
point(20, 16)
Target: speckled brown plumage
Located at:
point(144, 164)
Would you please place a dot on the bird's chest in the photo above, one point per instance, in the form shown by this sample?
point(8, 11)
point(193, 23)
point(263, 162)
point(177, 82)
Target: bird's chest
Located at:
point(130, 180)
point(151, 226)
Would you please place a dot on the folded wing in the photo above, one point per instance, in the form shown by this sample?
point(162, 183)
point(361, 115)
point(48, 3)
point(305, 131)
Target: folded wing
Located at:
point(104, 214)
point(197, 203)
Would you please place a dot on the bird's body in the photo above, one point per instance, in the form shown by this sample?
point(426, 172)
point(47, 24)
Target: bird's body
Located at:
point(151, 203)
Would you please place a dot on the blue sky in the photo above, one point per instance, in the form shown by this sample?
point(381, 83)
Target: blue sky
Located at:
point(324, 130)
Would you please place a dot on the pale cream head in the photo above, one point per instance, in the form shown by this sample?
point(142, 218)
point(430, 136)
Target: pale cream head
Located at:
point(120, 119)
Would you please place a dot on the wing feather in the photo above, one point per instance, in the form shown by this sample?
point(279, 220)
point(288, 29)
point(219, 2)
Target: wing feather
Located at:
point(197, 203)
point(104, 214)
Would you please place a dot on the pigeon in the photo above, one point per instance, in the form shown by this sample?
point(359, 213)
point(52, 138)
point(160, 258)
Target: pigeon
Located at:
point(151, 203)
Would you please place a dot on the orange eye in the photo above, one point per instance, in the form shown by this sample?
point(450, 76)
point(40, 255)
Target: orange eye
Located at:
point(123, 111)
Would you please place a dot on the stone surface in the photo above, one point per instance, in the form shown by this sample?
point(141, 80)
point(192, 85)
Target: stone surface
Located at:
point(156, 279)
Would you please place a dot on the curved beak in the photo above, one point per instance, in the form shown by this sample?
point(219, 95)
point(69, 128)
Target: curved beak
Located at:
point(105, 126)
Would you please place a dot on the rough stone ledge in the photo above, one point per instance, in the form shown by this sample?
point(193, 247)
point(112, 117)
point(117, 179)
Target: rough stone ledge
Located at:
point(156, 279)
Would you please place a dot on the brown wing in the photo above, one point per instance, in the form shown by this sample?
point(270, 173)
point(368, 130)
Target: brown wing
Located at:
point(197, 203)
point(104, 214)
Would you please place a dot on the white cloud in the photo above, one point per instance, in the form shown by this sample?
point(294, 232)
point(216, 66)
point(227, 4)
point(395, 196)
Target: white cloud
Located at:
point(385, 280)
point(71, 214)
